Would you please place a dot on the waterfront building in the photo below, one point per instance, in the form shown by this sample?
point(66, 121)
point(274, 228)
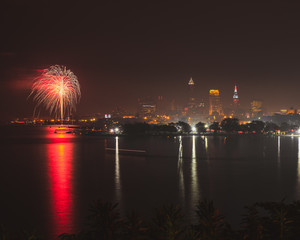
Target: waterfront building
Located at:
point(215, 105)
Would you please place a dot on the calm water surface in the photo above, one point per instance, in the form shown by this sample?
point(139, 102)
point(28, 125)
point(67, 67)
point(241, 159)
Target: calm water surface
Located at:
point(48, 180)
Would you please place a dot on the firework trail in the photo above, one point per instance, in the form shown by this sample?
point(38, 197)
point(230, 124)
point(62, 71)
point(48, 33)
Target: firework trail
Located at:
point(58, 89)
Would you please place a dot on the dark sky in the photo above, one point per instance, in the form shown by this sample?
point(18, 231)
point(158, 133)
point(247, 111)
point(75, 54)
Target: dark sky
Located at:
point(120, 50)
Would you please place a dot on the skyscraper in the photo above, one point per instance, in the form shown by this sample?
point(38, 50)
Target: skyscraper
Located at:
point(192, 98)
point(195, 109)
point(235, 106)
point(235, 96)
point(215, 105)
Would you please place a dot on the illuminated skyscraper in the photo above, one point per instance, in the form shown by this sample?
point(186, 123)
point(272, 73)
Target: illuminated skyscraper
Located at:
point(192, 98)
point(235, 105)
point(215, 106)
point(235, 96)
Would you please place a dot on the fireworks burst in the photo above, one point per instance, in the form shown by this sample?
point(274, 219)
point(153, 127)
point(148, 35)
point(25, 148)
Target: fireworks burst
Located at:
point(58, 89)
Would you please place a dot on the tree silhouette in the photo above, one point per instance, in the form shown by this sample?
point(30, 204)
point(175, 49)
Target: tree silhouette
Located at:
point(200, 126)
point(257, 126)
point(183, 127)
point(278, 221)
point(168, 223)
point(134, 227)
point(105, 220)
point(214, 126)
point(230, 124)
point(252, 225)
point(211, 225)
point(271, 127)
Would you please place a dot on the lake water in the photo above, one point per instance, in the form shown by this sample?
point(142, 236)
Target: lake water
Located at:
point(48, 180)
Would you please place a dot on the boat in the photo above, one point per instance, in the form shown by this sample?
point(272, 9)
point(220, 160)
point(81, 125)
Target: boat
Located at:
point(127, 151)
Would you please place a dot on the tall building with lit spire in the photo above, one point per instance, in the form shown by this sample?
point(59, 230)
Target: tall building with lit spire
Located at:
point(235, 96)
point(191, 82)
point(192, 97)
point(236, 112)
point(194, 109)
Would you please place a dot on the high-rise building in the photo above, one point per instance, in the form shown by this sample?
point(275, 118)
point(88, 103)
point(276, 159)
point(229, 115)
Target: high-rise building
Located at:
point(192, 98)
point(215, 105)
point(256, 108)
point(194, 111)
point(235, 96)
point(235, 111)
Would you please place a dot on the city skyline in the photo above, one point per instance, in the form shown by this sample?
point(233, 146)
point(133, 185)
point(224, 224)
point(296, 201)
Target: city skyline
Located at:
point(203, 108)
point(122, 51)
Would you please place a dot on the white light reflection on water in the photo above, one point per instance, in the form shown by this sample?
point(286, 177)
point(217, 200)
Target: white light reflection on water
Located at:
point(117, 175)
point(206, 146)
point(194, 175)
point(180, 172)
point(298, 171)
point(279, 161)
point(278, 149)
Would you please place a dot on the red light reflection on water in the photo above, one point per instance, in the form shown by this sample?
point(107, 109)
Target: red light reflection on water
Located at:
point(60, 164)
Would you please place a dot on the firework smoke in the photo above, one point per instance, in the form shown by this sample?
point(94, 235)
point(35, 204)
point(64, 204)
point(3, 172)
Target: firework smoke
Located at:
point(58, 89)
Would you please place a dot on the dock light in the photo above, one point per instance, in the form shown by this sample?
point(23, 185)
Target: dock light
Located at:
point(194, 129)
point(298, 131)
point(117, 130)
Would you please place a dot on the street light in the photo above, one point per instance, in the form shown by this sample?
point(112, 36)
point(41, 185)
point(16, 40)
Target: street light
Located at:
point(194, 129)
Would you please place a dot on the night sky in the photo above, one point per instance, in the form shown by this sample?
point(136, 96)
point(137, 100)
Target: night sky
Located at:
point(121, 50)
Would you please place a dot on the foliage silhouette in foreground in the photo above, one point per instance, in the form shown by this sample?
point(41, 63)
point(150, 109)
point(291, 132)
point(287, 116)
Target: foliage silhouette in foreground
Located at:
point(261, 221)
